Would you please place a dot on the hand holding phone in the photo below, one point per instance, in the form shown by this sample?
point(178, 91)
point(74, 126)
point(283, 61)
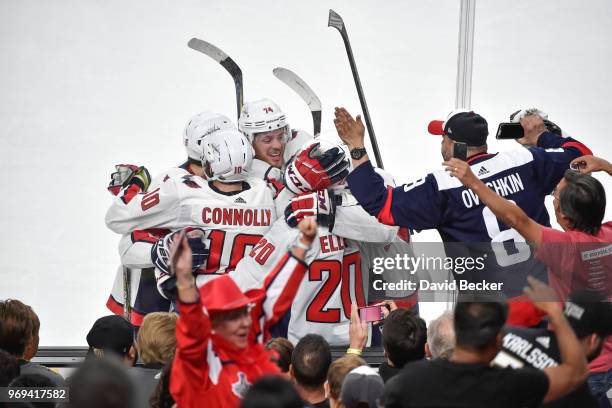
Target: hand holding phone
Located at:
point(460, 151)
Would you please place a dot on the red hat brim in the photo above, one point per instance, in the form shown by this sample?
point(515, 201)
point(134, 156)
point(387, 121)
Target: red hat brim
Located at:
point(219, 303)
point(436, 127)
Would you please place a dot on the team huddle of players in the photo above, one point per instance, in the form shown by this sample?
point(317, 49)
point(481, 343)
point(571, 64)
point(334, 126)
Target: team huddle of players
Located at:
point(239, 197)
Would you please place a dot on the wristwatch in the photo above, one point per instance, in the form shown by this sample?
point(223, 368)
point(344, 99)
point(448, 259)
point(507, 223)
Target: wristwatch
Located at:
point(358, 152)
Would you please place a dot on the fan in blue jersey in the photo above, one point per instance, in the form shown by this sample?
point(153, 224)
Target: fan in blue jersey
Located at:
point(439, 201)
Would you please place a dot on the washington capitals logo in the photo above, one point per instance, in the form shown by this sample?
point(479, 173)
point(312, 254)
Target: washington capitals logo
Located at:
point(268, 109)
point(240, 387)
point(189, 182)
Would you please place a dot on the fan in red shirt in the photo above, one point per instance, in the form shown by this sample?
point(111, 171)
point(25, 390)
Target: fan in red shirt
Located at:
point(218, 356)
point(578, 257)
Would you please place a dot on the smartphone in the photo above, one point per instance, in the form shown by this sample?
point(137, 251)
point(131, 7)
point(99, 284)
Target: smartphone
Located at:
point(460, 151)
point(371, 314)
point(508, 130)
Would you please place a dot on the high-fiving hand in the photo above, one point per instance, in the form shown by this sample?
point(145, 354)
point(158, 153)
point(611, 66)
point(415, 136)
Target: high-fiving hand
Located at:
point(351, 131)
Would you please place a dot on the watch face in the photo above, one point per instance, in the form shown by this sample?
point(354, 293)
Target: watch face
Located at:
point(358, 153)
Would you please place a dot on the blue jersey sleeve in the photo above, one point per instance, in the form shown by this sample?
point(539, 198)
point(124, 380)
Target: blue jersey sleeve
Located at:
point(549, 140)
point(552, 158)
point(417, 205)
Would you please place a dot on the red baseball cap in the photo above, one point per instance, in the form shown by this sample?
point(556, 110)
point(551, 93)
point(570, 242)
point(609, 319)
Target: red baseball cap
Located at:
point(223, 295)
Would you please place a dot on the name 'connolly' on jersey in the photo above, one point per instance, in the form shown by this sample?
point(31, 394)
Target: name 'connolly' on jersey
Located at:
point(234, 222)
point(237, 216)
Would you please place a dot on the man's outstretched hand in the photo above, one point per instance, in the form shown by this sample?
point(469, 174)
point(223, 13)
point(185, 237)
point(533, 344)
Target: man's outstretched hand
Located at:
point(351, 131)
point(590, 164)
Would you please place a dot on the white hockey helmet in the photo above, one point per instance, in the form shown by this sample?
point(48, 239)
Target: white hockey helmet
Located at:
point(199, 126)
point(262, 116)
point(229, 155)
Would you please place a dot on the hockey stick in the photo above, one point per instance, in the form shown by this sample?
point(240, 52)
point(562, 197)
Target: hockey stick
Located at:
point(225, 61)
point(336, 21)
point(127, 293)
point(293, 81)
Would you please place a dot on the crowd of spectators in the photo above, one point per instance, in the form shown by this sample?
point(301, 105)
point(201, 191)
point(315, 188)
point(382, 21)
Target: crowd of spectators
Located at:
point(463, 358)
point(213, 353)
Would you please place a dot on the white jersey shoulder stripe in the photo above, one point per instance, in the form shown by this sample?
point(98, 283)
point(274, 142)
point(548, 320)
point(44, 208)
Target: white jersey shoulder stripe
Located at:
point(486, 169)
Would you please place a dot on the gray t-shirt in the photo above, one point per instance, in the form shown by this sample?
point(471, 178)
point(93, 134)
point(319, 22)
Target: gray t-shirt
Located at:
point(146, 379)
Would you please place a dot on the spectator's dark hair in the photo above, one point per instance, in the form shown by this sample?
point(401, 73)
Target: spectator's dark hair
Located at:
point(583, 201)
point(477, 324)
point(9, 367)
point(101, 383)
point(310, 361)
point(161, 397)
point(19, 324)
point(272, 392)
point(284, 350)
point(404, 337)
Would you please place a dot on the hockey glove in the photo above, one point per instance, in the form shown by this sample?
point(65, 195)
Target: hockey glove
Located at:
point(317, 204)
point(128, 175)
point(314, 169)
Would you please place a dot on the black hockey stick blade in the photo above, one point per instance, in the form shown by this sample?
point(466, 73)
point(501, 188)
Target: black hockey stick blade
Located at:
point(336, 22)
point(293, 81)
point(226, 62)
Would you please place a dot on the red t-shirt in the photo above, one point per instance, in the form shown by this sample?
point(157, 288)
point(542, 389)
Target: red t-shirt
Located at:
point(578, 260)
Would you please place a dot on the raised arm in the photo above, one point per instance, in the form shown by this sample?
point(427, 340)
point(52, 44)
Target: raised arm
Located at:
point(157, 208)
point(417, 205)
point(508, 212)
point(573, 369)
point(193, 328)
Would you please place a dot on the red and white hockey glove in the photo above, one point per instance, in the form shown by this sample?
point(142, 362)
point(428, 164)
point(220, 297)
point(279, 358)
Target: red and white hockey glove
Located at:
point(315, 169)
point(128, 175)
point(318, 204)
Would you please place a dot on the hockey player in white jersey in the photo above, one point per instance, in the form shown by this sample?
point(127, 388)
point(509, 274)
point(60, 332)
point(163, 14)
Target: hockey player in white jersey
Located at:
point(136, 274)
point(266, 126)
point(235, 209)
point(334, 279)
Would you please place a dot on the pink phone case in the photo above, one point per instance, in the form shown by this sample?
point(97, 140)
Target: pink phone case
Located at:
point(370, 314)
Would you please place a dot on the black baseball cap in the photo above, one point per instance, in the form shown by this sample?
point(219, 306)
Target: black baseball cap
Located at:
point(362, 385)
point(113, 333)
point(588, 312)
point(462, 126)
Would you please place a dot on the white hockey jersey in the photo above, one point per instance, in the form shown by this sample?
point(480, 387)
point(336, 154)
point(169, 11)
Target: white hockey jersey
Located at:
point(136, 273)
point(323, 302)
point(234, 221)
